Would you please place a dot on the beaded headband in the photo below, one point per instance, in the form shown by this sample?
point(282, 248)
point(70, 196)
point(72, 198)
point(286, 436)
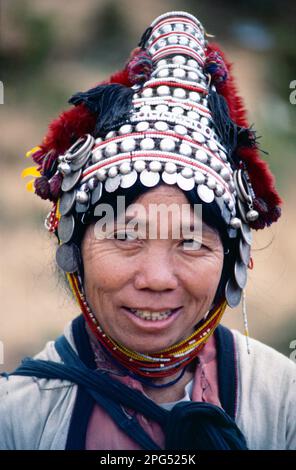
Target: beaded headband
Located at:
point(172, 115)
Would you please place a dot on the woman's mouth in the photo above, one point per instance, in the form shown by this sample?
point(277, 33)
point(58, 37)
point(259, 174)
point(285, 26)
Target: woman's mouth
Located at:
point(152, 315)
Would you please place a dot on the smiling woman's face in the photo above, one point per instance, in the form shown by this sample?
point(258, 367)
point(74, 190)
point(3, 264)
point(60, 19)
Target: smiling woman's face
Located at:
point(148, 294)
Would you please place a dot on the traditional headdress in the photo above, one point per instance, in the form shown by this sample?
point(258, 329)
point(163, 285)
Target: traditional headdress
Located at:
point(172, 115)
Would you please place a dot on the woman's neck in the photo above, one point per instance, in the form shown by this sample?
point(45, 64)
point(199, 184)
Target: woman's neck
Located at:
point(169, 394)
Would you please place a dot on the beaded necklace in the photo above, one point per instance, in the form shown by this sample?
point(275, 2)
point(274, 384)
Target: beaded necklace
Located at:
point(164, 363)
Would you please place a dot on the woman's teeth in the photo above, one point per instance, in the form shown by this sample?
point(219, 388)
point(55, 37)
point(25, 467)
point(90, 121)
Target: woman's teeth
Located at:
point(154, 316)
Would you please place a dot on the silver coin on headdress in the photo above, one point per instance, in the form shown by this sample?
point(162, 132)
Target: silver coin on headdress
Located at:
point(66, 228)
point(97, 193)
point(169, 178)
point(67, 257)
point(129, 180)
point(149, 178)
point(67, 202)
point(233, 293)
point(206, 194)
point(111, 184)
point(246, 233)
point(185, 183)
point(244, 251)
point(240, 273)
point(71, 180)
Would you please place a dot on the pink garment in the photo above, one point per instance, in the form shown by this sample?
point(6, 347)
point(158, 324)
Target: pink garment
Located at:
point(103, 433)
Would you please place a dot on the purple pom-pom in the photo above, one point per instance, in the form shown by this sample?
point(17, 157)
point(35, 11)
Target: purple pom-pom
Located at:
point(42, 188)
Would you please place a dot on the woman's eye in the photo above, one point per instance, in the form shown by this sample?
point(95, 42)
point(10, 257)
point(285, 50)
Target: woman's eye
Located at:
point(125, 236)
point(191, 244)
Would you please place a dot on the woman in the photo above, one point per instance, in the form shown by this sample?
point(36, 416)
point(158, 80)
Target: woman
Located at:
point(147, 364)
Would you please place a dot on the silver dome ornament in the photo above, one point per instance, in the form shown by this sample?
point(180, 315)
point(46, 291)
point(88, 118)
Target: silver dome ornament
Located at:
point(179, 93)
point(97, 155)
point(66, 228)
point(204, 121)
point(225, 173)
point(149, 178)
point(193, 115)
point(226, 197)
point(198, 137)
point(179, 27)
point(125, 168)
point(240, 274)
point(185, 183)
point(111, 149)
point(216, 164)
point(179, 60)
point(235, 222)
point(199, 177)
point(194, 96)
point(169, 178)
point(155, 165)
point(161, 126)
point(71, 180)
point(147, 93)
point(67, 202)
point(125, 129)
point(244, 251)
point(192, 76)
point(177, 110)
point(97, 193)
point(163, 90)
point(192, 63)
point(113, 171)
point(187, 172)
point(92, 182)
point(163, 73)
point(139, 165)
point(67, 257)
point(147, 144)
point(128, 144)
point(206, 194)
point(161, 108)
point(98, 140)
point(201, 156)
point(252, 215)
point(170, 167)
point(173, 39)
point(111, 184)
point(81, 197)
point(183, 41)
point(101, 174)
point(167, 144)
point(64, 168)
point(211, 182)
point(179, 73)
point(219, 190)
point(185, 150)
point(212, 145)
point(233, 293)
point(142, 126)
point(110, 135)
point(129, 179)
point(179, 129)
point(162, 62)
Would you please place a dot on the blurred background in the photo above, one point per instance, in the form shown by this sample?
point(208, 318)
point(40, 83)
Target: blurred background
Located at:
point(49, 50)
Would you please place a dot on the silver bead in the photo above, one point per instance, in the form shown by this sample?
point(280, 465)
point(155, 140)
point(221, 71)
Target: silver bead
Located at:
point(179, 73)
point(177, 110)
point(98, 140)
point(162, 62)
point(192, 63)
point(161, 108)
point(155, 165)
point(231, 205)
point(125, 168)
point(192, 76)
point(126, 129)
point(147, 144)
point(235, 222)
point(187, 172)
point(111, 149)
point(142, 126)
point(204, 121)
point(194, 96)
point(219, 190)
point(211, 182)
point(212, 145)
point(128, 144)
point(166, 28)
point(226, 198)
point(199, 177)
point(198, 137)
point(167, 144)
point(145, 109)
point(170, 167)
point(192, 115)
point(64, 168)
point(179, 129)
point(225, 174)
point(179, 93)
point(215, 164)
point(163, 73)
point(179, 27)
point(163, 90)
point(82, 197)
point(173, 39)
point(223, 155)
point(183, 41)
point(139, 165)
point(97, 155)
point(113, 171)
point(147, 93)
point(110, 135)
point(101, 174)
point(252, 215)
point(179, 59)
point(161, 126)
point(185, 149)
point(201, 156)
point(92, 182)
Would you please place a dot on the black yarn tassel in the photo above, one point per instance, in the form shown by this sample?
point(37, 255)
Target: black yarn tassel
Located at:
point(111, 103)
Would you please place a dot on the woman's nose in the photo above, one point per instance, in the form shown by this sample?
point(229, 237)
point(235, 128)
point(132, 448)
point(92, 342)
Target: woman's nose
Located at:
point(156, 272)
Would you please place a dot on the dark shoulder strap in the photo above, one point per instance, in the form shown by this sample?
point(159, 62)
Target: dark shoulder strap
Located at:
point(84, 403)
point(227, 369)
